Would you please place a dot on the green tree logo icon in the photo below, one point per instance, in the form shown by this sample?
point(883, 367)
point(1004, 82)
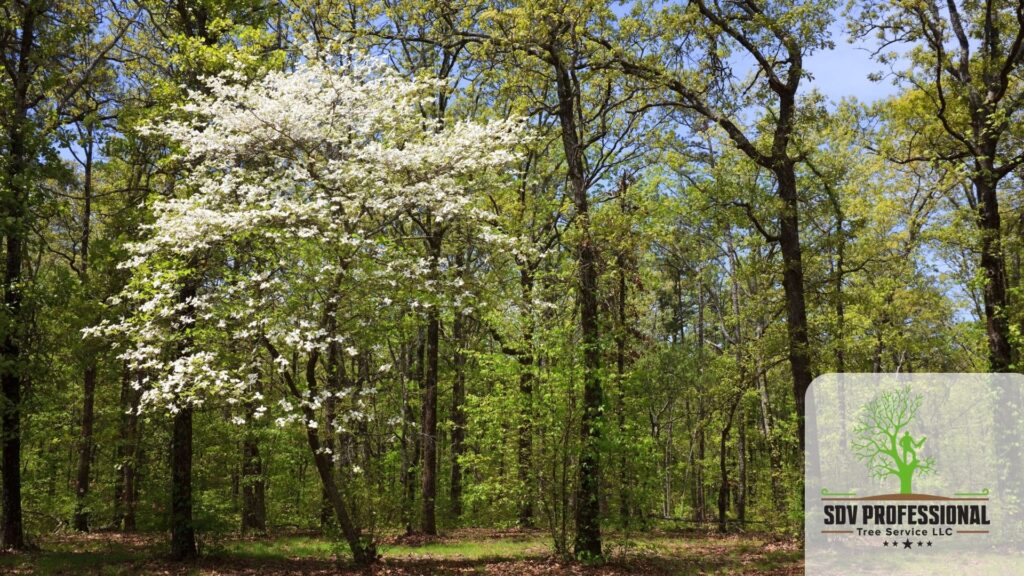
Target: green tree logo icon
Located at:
point(883, 441)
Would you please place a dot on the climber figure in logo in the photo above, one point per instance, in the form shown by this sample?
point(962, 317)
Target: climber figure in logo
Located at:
point(882, 438)
point(910, 447)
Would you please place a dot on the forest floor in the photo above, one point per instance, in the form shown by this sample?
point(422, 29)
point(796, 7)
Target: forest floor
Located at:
point(461, 552)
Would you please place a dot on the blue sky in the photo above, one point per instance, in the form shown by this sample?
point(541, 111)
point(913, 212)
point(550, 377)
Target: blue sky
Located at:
point(843, 71)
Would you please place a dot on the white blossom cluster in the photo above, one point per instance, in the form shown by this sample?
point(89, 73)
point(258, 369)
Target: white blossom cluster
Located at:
point(291, 179)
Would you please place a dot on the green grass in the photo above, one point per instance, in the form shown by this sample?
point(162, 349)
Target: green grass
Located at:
point(281, 547)
point(473, 550)
point(319, 548)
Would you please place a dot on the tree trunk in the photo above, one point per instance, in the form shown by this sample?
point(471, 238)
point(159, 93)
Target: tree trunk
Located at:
point(411, 441)
point(254, 486)
point(723, 468)
point(741, 456)
point(524, 426)
point(620, 370)
point(587, 544)
point(13, 537)
point(666, 464)
point(840, 314)
point(12, 533)
point(126, 491)
point(85, 446)
point(993, 264)
point(793, 289)
point(458, 413)
point(254, 504)
point(183, 537)
point(699, 501)
point(335, 379)
point(428, 521)
point(774, 458)
point(363, 550)
point(85, 450)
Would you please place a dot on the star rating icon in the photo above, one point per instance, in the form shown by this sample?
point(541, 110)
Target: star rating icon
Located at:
point(907, 544)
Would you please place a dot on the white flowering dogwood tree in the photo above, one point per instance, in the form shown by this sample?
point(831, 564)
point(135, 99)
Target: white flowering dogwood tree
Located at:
point(287, 245)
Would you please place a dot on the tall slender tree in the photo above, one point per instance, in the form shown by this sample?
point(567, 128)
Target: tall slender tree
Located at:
point(962, 60)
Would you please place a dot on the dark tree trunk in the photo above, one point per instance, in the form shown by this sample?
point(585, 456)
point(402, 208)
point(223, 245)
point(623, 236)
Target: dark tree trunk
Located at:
point(12, 532)
point(666, 465)
point(183, 536)
point(85, 446)
point(587, 544)
point(458, 413)
point(81, 521)
point(13, 537)
point(623, 264)
point(993, 264)
point(524, 428)
point(411, 441)
point(125, 490)
point(254, 504)
point(363, 550)
point(840, 309)
point(335, 382)
point(723, 468)
point(741, 491)
point(428, 520)
point(793, 289)
point(699, 501)
point(254, 484)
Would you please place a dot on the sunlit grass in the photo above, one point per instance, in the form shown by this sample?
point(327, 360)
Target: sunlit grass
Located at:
point(281, 547)
point(473, 549)
point(320, 548)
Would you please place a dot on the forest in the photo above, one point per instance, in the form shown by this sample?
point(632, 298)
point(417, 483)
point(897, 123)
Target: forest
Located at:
point(479, 286)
